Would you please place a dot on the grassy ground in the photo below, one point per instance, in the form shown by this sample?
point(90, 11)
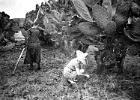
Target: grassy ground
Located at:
point(47, 84)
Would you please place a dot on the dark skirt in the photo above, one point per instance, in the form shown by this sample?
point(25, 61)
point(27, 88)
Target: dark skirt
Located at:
point(33, 54)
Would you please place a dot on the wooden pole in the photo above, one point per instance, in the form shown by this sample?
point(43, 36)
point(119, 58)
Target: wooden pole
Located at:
point(18, 59)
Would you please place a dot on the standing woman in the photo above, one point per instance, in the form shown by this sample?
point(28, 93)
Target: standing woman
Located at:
point(33, 53)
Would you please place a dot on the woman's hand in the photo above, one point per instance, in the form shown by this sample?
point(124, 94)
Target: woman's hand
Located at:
point(82, 71)
point(87, 75)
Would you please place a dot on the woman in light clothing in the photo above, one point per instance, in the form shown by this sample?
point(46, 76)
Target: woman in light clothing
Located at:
point(73, 68)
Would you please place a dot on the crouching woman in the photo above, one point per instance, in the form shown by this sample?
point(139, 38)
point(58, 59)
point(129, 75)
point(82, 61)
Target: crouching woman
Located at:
point(72, 69)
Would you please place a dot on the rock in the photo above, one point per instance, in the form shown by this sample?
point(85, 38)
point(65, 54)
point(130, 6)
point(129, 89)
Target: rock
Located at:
point(91, 62)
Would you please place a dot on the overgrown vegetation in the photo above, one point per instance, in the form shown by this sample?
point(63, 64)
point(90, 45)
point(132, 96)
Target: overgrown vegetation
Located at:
point(111, 25)
point(7, 28)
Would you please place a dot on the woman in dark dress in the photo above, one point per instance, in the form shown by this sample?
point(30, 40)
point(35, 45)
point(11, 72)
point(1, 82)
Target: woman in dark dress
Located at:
point(33, 53)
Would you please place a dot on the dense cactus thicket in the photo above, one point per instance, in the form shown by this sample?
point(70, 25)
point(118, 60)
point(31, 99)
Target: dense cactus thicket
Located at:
point(112, 25)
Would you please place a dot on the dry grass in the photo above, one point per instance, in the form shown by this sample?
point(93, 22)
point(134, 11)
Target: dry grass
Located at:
point(47, 84)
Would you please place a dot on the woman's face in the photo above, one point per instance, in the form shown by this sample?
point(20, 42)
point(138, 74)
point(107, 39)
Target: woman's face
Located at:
point(82, 60)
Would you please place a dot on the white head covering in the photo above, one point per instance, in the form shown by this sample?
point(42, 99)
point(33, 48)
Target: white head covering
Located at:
point(81, 56)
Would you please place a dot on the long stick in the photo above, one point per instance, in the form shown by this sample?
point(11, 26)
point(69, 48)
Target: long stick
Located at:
point(37, 15)
point(18, 59)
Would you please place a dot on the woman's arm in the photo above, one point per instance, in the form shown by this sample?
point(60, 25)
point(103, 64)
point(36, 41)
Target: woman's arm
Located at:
point(78, 70)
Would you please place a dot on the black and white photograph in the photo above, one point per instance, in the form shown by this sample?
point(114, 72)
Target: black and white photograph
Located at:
point(69, 49)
